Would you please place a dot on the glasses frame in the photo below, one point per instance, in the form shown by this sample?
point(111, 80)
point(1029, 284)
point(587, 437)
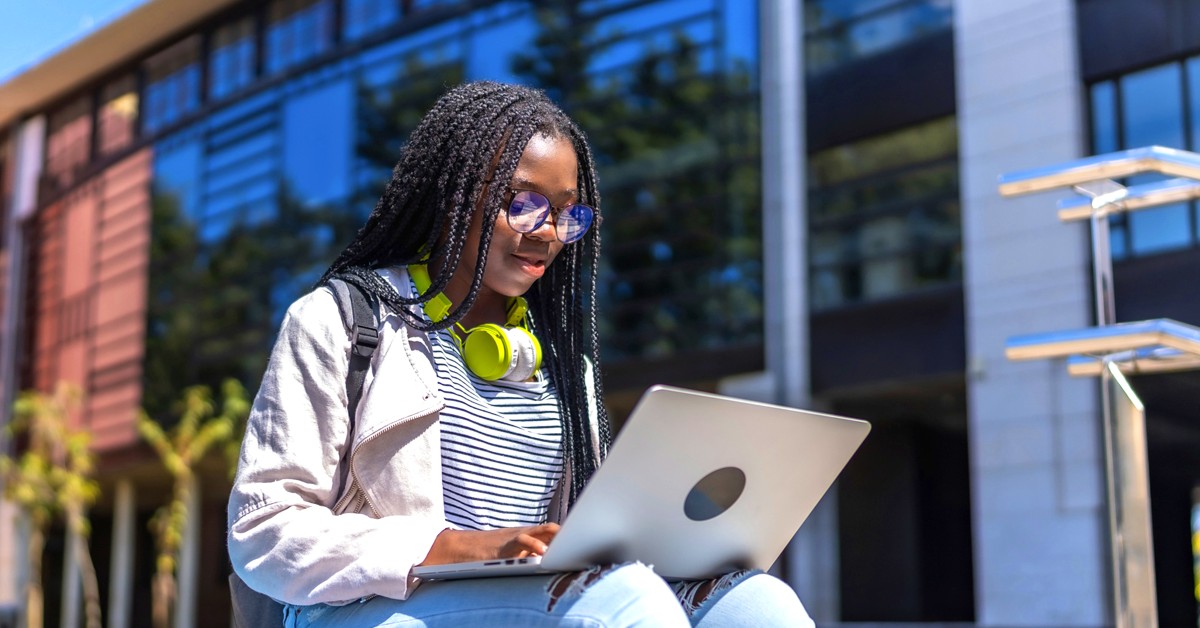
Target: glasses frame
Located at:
point(552, 213)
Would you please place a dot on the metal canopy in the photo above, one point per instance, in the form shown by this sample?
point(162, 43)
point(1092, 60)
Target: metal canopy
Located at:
point(1112, 349)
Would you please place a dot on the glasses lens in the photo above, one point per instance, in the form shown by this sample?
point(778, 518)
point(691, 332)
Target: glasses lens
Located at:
point(527, 211)
point(573, 222)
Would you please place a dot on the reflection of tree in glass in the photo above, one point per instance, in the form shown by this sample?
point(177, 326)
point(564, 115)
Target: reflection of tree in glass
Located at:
point(386, 115)
point(677, 145)
point(214, 307)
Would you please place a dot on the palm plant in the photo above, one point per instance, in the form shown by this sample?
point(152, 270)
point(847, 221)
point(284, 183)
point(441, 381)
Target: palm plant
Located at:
point(52, 477)
point(202, 426)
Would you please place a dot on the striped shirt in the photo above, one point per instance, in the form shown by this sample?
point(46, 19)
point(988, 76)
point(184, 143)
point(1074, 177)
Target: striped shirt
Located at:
point(501, 444)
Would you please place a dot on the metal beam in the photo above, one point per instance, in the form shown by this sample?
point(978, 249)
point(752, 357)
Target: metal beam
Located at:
point(1169, 161)
point(1135, 197)
point(1109, 339)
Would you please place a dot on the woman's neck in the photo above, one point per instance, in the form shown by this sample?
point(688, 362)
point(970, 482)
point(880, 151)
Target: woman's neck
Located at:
point(489, 306)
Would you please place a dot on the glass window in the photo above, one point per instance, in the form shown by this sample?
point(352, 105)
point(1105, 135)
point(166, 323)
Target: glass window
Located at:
point(118, 115)
point(391, 98)
point(740, 34)
point(1152, 107)
point(884, 215)
point(231, 63)
point(1152, 113)
point(297, 30)
point(838, 32)
point(318, 140)
point(1104, 118)
point(416, 6)
point(363, 17)
point(241, 169)
point(68, 142)
point(493, 47)
point(172, 84)
point(176, 188)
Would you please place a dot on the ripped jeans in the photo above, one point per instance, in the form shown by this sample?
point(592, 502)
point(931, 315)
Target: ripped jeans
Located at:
point(629, 594)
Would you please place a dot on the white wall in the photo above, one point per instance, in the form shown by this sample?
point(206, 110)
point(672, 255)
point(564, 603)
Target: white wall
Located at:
point(1036, 453)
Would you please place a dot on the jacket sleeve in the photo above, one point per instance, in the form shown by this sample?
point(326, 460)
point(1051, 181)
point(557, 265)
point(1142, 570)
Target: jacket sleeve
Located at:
point(284, 538)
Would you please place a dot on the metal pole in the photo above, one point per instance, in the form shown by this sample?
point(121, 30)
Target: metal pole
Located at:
point(1127, 468)
point(1116, 547)
point(1106, 310)
point(1115, 438)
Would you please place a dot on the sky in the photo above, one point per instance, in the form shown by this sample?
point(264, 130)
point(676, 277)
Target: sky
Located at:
point(32, 30)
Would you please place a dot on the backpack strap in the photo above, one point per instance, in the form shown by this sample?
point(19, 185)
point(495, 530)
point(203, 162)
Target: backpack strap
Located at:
point(359, 317)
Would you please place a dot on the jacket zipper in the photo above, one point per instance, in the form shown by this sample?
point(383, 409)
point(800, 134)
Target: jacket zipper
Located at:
point(359, 445)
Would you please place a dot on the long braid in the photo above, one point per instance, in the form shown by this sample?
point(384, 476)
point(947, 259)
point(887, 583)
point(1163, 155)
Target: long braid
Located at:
point(455, 164)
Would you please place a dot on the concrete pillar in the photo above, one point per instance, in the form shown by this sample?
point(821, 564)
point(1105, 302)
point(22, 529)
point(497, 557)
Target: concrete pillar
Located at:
point(189, 561)
point(1036, 455)
point(12, 554)
point(120, 578)
point(72, 586)
point(811, 559)
point(25, 155)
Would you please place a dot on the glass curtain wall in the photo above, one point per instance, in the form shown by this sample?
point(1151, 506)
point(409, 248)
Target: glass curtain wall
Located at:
point(253, 201)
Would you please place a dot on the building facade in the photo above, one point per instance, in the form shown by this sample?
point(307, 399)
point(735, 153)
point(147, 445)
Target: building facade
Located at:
point(800, 207)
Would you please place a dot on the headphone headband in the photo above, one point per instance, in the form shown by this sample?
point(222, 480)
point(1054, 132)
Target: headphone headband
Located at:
point(439, 306)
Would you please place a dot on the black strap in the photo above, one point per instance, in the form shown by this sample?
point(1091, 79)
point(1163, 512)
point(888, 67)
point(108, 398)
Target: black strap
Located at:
point(359, 316)
point(362, 324)
point(364, 335)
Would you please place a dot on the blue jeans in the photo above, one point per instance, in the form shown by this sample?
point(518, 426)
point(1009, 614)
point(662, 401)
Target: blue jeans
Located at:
point(629, 594)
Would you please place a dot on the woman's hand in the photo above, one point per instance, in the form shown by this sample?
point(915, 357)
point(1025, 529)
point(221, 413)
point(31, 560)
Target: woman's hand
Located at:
point(456, 546)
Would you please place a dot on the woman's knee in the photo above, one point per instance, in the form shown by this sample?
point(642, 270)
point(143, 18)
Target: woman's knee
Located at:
point(627, 594)
point(750, 599)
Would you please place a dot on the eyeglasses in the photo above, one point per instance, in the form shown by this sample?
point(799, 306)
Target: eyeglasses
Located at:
point(529, 210)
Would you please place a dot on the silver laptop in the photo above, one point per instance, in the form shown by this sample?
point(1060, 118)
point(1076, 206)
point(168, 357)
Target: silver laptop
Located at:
point(696, 485)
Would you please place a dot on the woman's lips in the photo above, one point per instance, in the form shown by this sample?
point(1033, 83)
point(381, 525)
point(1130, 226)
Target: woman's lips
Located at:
point(532, 266)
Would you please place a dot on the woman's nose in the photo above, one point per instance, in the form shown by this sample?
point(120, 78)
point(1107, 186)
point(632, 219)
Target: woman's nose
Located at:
point(546, 230)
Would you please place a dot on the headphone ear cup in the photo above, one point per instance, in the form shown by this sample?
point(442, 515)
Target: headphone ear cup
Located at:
point(527, 354)
point(488, 352)
point(493, 352)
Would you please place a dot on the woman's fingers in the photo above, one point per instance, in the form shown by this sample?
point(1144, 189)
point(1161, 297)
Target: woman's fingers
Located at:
point(544, 532)
point(531, 544)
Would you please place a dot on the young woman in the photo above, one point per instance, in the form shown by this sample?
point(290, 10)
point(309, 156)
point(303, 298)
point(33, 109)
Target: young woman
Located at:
point(485, 235)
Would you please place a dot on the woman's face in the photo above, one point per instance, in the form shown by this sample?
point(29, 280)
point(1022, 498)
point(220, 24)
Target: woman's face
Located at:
point(516, 260)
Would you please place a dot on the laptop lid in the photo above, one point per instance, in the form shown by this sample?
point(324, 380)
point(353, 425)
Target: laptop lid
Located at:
point(698, 484)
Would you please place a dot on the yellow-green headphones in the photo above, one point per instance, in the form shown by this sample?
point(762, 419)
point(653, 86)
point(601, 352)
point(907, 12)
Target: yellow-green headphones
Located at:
point(509, 352)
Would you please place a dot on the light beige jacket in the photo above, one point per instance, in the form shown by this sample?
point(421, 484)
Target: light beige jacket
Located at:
point(297, 531)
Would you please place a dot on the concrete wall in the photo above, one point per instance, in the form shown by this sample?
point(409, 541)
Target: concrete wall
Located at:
point(1036, 450)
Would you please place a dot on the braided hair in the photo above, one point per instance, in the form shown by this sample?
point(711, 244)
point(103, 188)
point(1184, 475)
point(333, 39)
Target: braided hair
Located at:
point(476, 134)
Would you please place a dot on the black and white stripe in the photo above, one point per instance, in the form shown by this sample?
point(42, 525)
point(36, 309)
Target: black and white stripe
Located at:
point(501, 445)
